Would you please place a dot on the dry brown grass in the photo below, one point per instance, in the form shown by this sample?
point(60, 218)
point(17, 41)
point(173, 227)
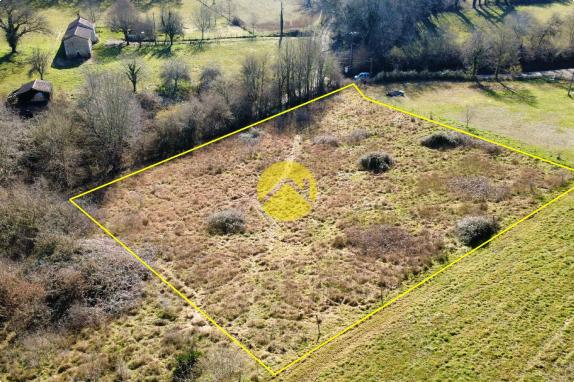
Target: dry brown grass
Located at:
point(366, 234)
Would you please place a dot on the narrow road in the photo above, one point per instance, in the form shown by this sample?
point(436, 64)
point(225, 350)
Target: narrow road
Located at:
point(562, 74)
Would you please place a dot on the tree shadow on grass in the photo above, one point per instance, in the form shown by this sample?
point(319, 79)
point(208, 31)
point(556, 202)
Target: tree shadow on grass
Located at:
point(156, 51)
point(7, 58)
point(108, 53)
point(164, 51)
point(495, 14)
point(464, 18)
point(508, 94)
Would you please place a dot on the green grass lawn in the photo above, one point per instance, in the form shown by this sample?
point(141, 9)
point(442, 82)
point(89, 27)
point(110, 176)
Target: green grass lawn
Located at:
point(227, 55)
point(506, 313)
point(536, 115)
point(462, 23)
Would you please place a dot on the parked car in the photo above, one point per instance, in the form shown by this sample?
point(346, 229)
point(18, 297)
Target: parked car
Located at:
point(396, 93)
point(363, 76)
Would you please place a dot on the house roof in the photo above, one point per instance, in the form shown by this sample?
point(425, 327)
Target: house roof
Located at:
point(78, 31)
point(81, 22)
point(37, 85)
point(80, 28)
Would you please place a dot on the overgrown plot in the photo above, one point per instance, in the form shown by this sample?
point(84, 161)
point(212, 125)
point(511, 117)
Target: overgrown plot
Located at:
point(397, 197)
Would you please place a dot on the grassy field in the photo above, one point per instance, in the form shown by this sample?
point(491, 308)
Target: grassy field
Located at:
point(264, 16)
point(226, 54)
point(504, 314)
point(537, 115)
point(462, 23)
point(269, 285)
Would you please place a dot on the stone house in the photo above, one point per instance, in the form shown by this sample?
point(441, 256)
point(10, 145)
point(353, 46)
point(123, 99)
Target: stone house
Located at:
point(79, 38)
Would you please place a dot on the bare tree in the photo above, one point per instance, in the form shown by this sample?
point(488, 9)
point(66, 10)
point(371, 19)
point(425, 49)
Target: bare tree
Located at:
point(144, 30)
point(122, 17)
point(475, 52)
point(203, 20)
point(173, 74)
point(171, 25)
point(253, 21)
point(254, 76)
point(18, 19)
point(281, 24)
point(301, 70)
point(135, 72)
point(569, 25)
point(229, 9)
point(111, 117)
point(55, 140)
point(208, 76)
point(503, 49)
point(39, 62)
point(93, 10)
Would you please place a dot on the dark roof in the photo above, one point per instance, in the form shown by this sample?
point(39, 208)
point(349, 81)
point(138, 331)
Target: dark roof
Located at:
point(79, 27)
point(81, 22)
point(78, 31)
point(37, 85)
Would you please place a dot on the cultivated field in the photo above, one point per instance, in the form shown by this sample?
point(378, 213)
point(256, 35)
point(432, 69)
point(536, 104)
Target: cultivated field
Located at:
point(280, 288)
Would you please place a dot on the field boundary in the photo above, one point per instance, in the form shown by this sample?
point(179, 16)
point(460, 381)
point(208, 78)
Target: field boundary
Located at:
point(305, 355)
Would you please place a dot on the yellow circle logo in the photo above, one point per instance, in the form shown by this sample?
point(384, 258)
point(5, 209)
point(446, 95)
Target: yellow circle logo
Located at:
point(287, 191)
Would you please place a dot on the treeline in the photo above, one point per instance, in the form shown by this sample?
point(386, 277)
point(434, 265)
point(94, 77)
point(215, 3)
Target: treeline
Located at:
point(520, 43)
point(387, 35)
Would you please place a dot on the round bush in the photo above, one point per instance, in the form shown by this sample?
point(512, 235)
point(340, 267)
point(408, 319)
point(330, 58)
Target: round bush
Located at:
point(444, 141)
point(226, 222)
point(475, 230)
point(376, 162)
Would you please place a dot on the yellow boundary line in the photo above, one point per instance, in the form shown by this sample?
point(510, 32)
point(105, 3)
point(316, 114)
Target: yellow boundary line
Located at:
point(275, 373)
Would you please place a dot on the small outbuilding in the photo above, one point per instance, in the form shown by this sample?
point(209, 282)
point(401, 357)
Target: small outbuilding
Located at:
point(79, 38)
point(31, 97)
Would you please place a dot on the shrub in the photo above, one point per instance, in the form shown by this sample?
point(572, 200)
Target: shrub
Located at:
point(444, 141)
point(222, 364)
point(250, 137)
point(21, 301)
point(226, 222)
point(186, 366)
point(12, 134)
point(376, 162)
point(208, 77)
point(358, 135)
point(475, 230)
point(326, 140)
point(149, 102)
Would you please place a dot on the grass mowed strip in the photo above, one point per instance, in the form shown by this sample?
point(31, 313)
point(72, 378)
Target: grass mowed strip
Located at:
point(387, 211)
point(505, 313)
point(532, 113)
